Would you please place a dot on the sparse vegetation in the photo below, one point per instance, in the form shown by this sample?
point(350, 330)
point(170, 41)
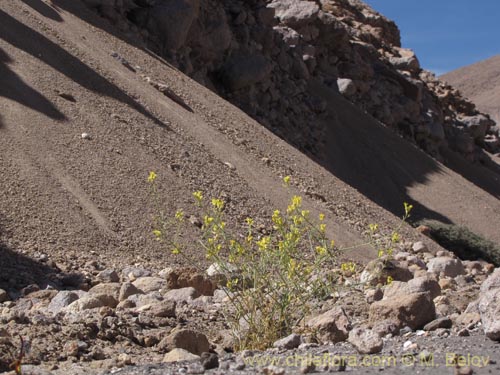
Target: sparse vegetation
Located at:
point(272, 281)
point(463, 242)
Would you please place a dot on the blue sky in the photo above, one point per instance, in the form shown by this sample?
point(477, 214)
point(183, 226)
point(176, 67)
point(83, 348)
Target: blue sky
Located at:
point(445, 34)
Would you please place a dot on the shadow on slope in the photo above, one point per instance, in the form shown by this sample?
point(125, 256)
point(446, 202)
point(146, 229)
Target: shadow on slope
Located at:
point(80, 10)
point(44, 9)
point(372, 158)
point(14, 88)
point(382, 166)
point(38, 46)
point(18, 271)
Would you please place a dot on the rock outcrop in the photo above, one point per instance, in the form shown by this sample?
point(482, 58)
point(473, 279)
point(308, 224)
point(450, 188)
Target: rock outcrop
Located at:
point(263, 54)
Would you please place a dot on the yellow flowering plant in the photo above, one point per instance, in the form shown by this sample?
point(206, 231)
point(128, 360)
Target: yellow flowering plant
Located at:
point(272, 278)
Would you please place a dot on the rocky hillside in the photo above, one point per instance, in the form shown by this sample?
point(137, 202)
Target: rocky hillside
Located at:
point(264, 55)
point(87, 111)
point(480, 83)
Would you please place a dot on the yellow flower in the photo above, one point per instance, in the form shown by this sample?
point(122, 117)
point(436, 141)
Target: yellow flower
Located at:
point(249, 221)
point(286, 180)
point(263, 243)
point(218, 204)
point(390, 279)
point(381, 253)
point(322, 228)
point(395, 237)
point(198, 195)
point(157, 233)
point(276, 218)
point(295, 204)
point(320, 250)
point(408, 208)
point(151, 177)
point(207, 220)
point(176, 251)
point(373, 227)
point(179, 215)
point(321, 217)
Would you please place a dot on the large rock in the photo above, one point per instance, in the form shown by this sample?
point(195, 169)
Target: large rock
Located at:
point(378, 270)
point(407, 60)
point(190, 277)
point(492, 282)
point(180, 355)
point(418, 285)
point(243, 71)
point(477, 126)
point(331, 326)
point(150, 284)
point(61, 300)
point(187, 339)
point(112, 289)
point(446, 266)
point(489, 305)
point(413, 310)
point(365, 341)
point(295, 13)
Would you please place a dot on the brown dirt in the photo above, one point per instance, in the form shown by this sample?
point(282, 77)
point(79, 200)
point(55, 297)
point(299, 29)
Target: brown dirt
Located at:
point(77, 200)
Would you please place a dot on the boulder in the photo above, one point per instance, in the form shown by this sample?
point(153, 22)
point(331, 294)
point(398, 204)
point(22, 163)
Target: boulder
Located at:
point(413, 310)
point(378, 270)
point(446, 266)
point(489, 305)
point(179, 355)
point(331, 326)
point(295, 13)
point(61, 300)
point(187, 339)
point(148, 284)
point(365, 341)
point(477, 126)
point(182, 295)
point(290, 342)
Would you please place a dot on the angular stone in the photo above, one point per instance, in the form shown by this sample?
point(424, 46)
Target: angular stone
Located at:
point(61, 300)
point(192, 341)
point(443, 322)
point(126, 290)
point(112, 289)
point(179, 355)
point(378, 270)
point(332, 325)
point(446, 266)
point(365, 341)
point(150, 284)
point(295, 13)
point(489, 308)
point(182, 295)
point(290, 342)
point(413, 310)
point(108, 276)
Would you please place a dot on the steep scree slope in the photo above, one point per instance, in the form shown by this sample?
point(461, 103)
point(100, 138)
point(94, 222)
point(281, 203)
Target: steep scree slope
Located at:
point(76, 200)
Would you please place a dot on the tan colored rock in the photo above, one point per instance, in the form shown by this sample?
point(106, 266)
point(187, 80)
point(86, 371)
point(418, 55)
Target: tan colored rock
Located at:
point(187, 339)
point(179, 355)
point(331, 326)
point(365, 341)
point(413, 310)
point(148, 284)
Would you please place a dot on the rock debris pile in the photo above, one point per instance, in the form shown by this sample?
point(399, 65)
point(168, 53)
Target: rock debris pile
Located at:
point(263, 56)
